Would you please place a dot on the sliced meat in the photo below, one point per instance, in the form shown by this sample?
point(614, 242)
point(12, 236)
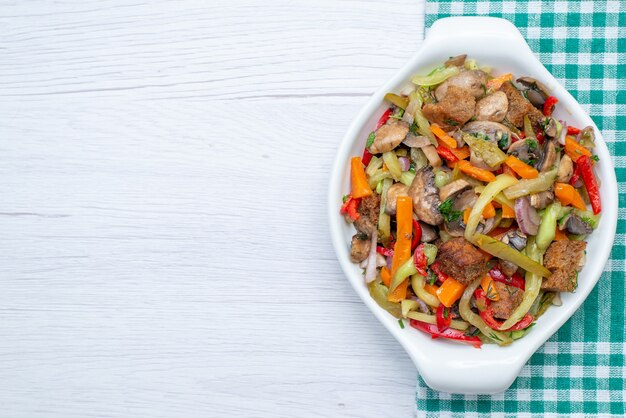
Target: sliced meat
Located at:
point(389, 136)
point(369, 209)
point(461, 260)
point(473, 81)
point(510, 298)
point(397, 189)
point(563, 259)
point(519, 107)
point(425, 197)
point(360, 248)
point(493, 107)
point(456, 108)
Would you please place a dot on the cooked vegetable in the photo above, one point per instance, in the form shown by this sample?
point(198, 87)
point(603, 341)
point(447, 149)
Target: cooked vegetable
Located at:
point(591, 184)
point(450, 334)
point(487, 151)
point(400, 101)
point(431, 319)
point(490, 191)
point(402, 249)
point(527, 217)
point(358, 179)
point(474, 319)
point(547, 226)
point(496, 82)
point(437, 76)
point(450, 291)
point(418, 284)
point(574, 150)
point(380, 294)
point(475, 172)
point(568, 195)
point(532, 287)
point(393, 165)
point(503, 251)
point(444, 137)
point(528, 186)
point(522, 169)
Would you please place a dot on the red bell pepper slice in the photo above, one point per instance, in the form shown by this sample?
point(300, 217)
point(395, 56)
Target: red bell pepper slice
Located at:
point(591, 184)
point(575, 179)
point(540, 137)
point(417, 234)
point(384, 118)
point(436, 267)
point(548, 106)
point(487, 316)
point(449, 333)
point(486, 313)
point(443, 316)
point(420, 260)
point(386, 252)
point(446, 154)
point(350, 207)
point(367, 157)
point(572, 131)
point(516, 280)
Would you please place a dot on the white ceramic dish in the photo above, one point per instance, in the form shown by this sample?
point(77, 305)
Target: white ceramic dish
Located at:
point(448, 366)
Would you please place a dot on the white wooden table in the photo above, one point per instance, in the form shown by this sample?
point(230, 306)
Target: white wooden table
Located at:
point(164, 243)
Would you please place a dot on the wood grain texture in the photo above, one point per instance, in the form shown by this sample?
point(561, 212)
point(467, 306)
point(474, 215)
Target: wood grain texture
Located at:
point(165, 249)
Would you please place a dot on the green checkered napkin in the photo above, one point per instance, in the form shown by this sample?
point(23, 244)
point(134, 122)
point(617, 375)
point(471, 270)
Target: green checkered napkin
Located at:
point(580, 370)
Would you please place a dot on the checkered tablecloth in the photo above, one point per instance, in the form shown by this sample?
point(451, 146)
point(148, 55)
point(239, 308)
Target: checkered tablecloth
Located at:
point(580, 371)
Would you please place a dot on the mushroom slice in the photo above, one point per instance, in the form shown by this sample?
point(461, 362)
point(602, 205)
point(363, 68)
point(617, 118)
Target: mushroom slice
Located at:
point(425, 197)
point(531, 83)
point(389, 136)
point(493, 107)
point(397, 189)
point(457, 61)
point(550, 127)
point(415, 141)
point(566, 169)
point(515, 238)
point(472, 81)
point(542, 199)
point(451, 189)
point(549, 157)
point(429, 233)
point(575, 225)
point(536, 92)
point(527, 150)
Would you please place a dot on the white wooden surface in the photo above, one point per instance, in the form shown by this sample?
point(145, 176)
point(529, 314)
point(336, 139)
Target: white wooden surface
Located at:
point(164, 245)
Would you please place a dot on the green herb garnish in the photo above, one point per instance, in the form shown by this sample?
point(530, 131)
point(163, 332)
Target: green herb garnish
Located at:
point(595, 158)
point(414, 128)
point(451, 122)
point(401, 323)
point(503, 141)
point(474, 332)
point(345, 197)
point(370, 140)
point(432, 277)
point(445, 208)
point(532, 145)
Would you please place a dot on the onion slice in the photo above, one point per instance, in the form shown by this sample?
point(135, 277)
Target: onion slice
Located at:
point(370, 269)
point(527, 216)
